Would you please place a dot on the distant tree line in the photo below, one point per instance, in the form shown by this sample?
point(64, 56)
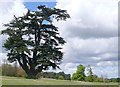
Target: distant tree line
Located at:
point(60, 75)
point(14, 70)
point(79, 75)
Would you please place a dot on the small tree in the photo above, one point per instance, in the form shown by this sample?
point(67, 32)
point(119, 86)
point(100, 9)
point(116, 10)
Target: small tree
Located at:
point(79, 75)
point(89, 70)
point(34, 41)
point(104, 78)
point(90, 76)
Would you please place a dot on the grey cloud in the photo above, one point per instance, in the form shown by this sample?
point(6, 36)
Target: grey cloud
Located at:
point(90, 51)
point(90, 19)
point(86, 33)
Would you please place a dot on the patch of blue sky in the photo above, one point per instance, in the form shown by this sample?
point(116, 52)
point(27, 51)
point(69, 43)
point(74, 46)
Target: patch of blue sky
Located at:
point(32, 6)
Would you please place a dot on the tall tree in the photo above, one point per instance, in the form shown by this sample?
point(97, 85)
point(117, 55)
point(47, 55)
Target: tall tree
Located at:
point(34, 41)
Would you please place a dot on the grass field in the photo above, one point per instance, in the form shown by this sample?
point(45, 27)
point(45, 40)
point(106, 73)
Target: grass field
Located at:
point(22, 81)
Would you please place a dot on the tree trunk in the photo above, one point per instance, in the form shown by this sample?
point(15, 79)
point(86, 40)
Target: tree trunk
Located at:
point(31, 75)
point(30, 70)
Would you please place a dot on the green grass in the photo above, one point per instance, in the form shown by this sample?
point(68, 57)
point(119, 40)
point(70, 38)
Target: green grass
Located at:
point(22, 81)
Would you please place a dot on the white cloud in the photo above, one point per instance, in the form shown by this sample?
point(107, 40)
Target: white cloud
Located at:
point(111, 72)
point(107, 63)
point(69, 67)
point(91, 32)
point(8, 9)
point(3, 57)
point(89, 18)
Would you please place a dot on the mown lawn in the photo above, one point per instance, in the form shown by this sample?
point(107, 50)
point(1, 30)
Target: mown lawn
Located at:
point(22, 81)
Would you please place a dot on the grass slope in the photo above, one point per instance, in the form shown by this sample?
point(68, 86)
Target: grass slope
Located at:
point(22, 81)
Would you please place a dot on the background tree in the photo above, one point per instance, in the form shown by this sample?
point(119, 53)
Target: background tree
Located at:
point(34, 41)
point(67, 77)
point(90, 76)
point(104, 78)
point(114, 80)
point(80, 73)
point(89, 71)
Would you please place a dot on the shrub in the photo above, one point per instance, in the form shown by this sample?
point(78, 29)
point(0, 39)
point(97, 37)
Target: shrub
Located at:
point(21, 73)
point(25, 76)
point(60, 78)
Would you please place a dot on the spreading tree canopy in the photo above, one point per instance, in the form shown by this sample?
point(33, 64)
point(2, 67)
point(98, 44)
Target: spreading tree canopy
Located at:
point(34, 41)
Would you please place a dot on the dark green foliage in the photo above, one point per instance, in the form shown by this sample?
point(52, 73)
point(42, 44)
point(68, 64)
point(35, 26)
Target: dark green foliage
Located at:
point(79, 75)
point(114, 80)
point(49, 75)
point(65, 76)
point(34, 43)
point(118, 80)
point(92, 78)
point(56, 75)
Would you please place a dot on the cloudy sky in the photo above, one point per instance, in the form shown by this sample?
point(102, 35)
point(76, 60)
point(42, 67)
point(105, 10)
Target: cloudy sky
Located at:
point(91, 32)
